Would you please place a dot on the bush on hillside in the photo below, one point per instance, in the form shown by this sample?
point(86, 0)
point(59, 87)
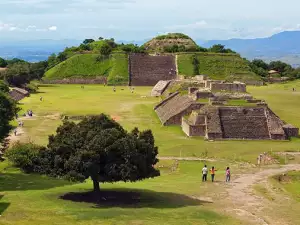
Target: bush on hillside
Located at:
point(24, 155)
point(88, 41)
point(105, 49)
point(220, 49)
point(172, 36)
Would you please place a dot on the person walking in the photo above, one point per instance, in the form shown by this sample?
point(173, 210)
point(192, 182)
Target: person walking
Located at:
point(212, 173)
point(204, 173)
point(15, 132)
point(227, 174)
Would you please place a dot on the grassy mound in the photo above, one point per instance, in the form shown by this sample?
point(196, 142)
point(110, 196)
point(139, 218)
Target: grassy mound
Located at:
point(216, 65)
point(160, 43)
point(115, 68)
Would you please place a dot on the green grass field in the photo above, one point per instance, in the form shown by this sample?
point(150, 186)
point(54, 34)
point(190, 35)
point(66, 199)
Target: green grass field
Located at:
point(32, 199)
point(216, 66)
point(172, 198)
point(136, 110)
point(292, 184)
point(115, 68)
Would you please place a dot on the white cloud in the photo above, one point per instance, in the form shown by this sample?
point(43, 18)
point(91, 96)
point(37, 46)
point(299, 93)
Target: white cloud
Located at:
point(52, 28)
point(196, 25)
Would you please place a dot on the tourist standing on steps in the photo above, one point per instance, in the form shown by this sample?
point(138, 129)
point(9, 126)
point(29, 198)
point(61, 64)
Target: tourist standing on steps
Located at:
point(228, 174)
point(15, 132)
point(212, 173)
point(204, 173)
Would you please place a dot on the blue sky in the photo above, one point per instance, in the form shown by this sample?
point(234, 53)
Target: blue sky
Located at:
point(143, 19)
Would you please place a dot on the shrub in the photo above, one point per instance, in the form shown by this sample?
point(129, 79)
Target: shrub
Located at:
point(24, 155)
point(32, 87)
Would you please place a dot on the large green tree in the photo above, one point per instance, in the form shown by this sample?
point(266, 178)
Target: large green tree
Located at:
point(101, 149)
point(8, 110)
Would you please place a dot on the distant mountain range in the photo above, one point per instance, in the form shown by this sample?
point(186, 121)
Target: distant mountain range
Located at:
point(33, 51)
point(283, 46)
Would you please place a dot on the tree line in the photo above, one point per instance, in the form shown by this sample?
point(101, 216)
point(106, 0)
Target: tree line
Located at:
point(262, 68)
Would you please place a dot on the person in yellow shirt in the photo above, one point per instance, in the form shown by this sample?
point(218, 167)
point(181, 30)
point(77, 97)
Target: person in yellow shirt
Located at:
point(212, 173)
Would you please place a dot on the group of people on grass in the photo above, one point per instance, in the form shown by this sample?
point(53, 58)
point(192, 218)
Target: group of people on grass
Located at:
point(213, 173)
point(130, 87)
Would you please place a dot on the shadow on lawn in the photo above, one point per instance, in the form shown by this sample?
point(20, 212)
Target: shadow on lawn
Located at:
point(133, 198)
point(3, 205)
point(21, 182)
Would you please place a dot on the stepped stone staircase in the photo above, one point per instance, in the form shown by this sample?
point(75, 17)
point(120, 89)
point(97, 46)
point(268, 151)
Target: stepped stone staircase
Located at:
point(146, 70)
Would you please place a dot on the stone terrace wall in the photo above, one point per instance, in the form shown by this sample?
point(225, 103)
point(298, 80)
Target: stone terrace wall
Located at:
point(146, 70)
point(275, 125)
point(230, 87)
point(291, 131)
point(193, 130)
point(159, 88)
point(244, 123)
point(100, 80)
point(176, 120)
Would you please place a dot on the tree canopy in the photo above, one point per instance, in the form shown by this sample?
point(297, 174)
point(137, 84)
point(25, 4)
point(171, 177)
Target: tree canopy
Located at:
point(8, 110)
point(88, 41)
point(20, 73)
point(99, 148)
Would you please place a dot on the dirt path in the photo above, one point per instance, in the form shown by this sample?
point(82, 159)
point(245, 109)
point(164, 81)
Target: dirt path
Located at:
point(13, 138)
point(186, 159)
point(245, 204)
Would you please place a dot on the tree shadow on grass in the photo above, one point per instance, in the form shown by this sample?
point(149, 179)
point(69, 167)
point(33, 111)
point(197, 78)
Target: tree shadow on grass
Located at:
point(20, 182)
point(133, 198)
point(3, 205)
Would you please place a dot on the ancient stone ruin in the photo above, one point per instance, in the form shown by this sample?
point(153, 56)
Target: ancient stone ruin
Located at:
point(218, 118)
point(172, 109)
point(18, 94)
point(159, 88)
point(145, 70)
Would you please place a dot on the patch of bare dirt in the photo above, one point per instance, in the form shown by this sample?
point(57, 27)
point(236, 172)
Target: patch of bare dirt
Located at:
point(248, 206)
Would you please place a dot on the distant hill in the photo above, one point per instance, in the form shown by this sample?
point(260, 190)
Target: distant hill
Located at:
point(282, 46)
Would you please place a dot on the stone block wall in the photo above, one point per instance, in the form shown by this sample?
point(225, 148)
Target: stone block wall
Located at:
point(243, 123)
point(100, 80)
point(203, 94)
point(228, 87)
point(177, 119)
point(193, 130)
point(193, 89)
point(291, 131)
point(146, 70)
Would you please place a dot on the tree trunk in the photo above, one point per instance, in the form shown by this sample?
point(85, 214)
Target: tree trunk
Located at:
point(96, 186)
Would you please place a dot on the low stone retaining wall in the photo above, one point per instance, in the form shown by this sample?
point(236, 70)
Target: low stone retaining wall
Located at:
point(100, 80)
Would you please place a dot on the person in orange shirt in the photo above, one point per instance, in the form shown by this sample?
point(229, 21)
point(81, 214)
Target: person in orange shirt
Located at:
point(212, 173)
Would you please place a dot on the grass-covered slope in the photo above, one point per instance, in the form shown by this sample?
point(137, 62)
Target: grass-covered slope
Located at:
point(115, 68)
point(216, 65)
